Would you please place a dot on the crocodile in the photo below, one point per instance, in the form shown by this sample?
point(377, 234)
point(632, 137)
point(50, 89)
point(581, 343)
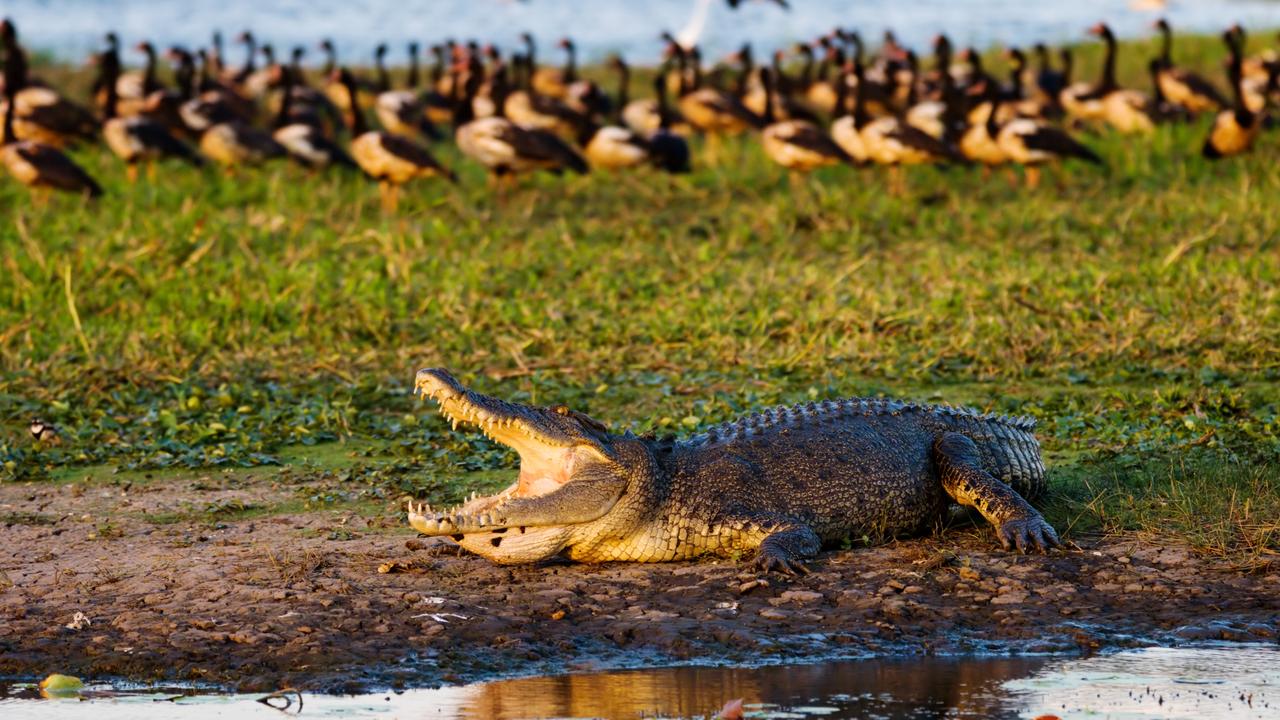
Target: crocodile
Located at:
point(775, 486)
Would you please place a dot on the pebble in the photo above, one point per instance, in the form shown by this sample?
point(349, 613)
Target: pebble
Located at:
point(555, 594)
point(681, 589)
point(799, 597)
point(658, 615)
point(774, 614)
point(850, 596)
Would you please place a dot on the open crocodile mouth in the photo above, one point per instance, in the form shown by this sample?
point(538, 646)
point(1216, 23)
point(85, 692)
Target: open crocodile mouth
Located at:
point(548, 452)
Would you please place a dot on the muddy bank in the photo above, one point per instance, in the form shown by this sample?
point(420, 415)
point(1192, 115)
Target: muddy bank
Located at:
point(103, 581)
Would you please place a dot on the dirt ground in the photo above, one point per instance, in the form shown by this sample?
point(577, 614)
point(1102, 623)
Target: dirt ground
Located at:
point(104, 581)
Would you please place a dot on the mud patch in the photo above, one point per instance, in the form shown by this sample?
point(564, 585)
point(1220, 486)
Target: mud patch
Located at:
point(333, 600)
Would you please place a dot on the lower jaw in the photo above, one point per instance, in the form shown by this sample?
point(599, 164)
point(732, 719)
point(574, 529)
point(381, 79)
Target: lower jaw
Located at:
point(516, 546)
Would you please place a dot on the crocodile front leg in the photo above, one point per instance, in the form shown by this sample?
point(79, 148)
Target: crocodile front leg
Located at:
point(1016, 522)
point(782, 544)
point(580, 501)
point(785, 550)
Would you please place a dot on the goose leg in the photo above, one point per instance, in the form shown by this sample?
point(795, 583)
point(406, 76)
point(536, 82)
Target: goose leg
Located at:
point(131, 172)
point(897, 185)
point(713, 149)
point(384, 197)
point(1011, 176)
point(393, 191)
point(796, 182)
point(1033, 177)
point(499, 183)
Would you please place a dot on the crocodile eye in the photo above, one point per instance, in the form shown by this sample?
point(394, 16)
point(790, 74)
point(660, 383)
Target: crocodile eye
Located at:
point(561, 409)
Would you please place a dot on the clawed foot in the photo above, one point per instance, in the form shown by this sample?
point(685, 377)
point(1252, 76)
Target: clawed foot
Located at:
point(768, 562)
point(1028, 533)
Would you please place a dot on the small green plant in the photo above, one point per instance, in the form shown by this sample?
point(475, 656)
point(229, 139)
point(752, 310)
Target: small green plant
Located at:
point(108, 530)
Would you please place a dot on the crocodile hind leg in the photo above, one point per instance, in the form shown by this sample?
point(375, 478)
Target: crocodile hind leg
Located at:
point(1017, 523)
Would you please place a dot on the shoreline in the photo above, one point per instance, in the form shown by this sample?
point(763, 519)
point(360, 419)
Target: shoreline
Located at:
point(343, 601)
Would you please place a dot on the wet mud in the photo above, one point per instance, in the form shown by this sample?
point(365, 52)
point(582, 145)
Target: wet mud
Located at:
point(103, 582)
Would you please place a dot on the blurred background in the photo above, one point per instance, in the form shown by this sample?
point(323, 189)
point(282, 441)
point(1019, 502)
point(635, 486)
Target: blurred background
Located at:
point(71, 29)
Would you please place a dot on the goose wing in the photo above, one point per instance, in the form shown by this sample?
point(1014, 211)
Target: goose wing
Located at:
point(540, 145)
point(57, 170)
point(917, 139)
point(811, 138)
point(1052, 140)
point(157, 137)
point(1198, 85)
point(408, 150)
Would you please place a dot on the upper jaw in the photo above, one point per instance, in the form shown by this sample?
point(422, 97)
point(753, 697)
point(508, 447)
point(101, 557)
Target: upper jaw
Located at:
point(550, 443)
point(498, 419)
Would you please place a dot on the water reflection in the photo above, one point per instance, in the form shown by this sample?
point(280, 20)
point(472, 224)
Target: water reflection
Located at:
point(1241, 681)
point(871, 688)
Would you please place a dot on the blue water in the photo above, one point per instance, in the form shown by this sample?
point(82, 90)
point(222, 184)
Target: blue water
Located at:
point(72, 28)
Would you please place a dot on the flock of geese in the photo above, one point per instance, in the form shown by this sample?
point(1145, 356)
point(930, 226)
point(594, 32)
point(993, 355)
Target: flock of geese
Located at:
point(824, 103)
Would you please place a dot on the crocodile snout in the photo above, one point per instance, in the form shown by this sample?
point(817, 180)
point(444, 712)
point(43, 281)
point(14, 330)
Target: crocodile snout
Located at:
point(434, 382)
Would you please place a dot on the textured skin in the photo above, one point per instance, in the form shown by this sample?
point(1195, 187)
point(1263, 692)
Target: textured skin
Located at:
point(783, 482)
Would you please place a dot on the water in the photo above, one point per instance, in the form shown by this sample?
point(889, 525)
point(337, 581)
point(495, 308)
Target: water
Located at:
point(1166, 683)
point(72, 28)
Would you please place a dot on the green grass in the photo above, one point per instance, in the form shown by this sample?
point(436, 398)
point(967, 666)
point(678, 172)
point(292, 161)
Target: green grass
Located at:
point(1135, 312)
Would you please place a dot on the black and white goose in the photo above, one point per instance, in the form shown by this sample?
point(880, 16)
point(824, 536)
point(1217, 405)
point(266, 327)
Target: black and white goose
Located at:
point(1032, 142)
point(304, 137)
point(797, 145)
point(393, 160)
point(400, 111)
point(1179, 86)
point(1234, 130)
point(37, 165)
point(505, 148)
point(139, 139)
